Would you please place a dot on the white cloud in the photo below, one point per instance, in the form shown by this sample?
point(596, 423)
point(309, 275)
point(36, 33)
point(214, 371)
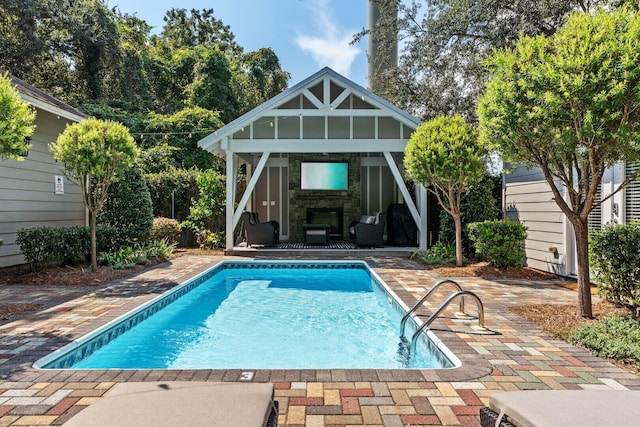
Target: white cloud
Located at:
point(331, 48)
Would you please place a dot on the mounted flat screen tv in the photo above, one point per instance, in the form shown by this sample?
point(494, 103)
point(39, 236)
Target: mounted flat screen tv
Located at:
point(324, 176)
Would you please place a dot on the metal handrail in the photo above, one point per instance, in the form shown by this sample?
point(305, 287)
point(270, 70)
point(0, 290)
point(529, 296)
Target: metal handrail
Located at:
point(440, 309)
point(417, 305)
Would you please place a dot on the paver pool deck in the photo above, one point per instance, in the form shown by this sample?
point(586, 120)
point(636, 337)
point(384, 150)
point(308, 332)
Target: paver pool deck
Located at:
point(520, 357)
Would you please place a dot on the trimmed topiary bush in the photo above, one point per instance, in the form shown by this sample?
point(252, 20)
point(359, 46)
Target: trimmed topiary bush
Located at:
point(499, 242)
point(128, 208)
point(165, 228)
point(614, 256)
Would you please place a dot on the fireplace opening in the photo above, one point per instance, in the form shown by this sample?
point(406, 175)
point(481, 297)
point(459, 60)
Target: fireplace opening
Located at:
point(331, 216)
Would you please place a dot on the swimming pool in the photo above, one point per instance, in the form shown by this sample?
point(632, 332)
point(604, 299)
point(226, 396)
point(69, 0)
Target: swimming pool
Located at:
point(260, 315)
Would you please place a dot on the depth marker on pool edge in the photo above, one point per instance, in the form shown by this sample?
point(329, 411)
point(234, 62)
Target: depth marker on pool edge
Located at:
point(247, 376)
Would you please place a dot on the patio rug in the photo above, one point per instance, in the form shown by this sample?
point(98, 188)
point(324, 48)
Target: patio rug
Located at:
point(331, 245)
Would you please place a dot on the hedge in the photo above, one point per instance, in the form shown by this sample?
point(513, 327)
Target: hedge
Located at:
point(43, 245)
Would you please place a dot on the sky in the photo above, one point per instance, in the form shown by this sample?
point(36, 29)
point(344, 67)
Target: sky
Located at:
point(307, 35)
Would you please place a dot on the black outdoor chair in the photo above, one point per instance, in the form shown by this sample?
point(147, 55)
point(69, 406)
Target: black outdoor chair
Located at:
point(260, 233)
point(369, 231)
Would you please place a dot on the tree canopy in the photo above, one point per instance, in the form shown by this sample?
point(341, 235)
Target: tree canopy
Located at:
point(16, 121)
point(84, 53)
point(170, 87)
point(569, 104)
point(443, 154)
point(443, 41)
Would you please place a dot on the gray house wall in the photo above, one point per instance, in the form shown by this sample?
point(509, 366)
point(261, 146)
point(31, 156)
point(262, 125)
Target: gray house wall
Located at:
point(528, 199)
point(27, 196)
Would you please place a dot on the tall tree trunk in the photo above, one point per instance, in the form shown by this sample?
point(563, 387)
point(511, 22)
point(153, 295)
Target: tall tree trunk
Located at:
point(93, 215)
point(458, 222)
point(581, 230)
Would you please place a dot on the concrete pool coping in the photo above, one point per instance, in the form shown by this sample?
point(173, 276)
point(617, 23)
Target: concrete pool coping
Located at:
point(521, 358)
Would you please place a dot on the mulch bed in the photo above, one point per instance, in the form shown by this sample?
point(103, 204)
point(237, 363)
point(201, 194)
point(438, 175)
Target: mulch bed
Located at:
point(487, 271)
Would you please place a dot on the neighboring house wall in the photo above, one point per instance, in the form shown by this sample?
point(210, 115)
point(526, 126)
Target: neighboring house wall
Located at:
point(27, 190)
point(528, 199)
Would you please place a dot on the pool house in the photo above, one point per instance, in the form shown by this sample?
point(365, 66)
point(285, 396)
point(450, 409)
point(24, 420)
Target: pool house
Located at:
point(324, 145)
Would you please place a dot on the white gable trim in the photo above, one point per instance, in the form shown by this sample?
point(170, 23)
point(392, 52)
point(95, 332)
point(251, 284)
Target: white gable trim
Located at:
point(212, 142)
point(51, 108)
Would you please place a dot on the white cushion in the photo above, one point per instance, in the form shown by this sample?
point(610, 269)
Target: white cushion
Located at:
point(542, 408)
point(160, 404)
point(377, 219)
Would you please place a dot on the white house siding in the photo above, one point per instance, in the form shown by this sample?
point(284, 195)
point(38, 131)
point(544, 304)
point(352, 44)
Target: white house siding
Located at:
point(27, 197)
point(528, 199)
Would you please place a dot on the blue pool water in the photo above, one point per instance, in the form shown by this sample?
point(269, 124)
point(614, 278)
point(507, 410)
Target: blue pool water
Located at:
point(263, 316)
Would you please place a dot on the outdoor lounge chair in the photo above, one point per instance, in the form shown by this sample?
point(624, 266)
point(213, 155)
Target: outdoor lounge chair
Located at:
point(193, 404)
point(369, 230)
point(260, 233)
point(566, 408)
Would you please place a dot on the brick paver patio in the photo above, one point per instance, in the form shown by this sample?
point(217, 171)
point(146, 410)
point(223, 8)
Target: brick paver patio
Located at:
point(520, 357)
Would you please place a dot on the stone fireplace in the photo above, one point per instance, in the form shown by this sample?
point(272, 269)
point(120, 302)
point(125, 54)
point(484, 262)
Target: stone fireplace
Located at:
point(323, 201)
point(332, 216)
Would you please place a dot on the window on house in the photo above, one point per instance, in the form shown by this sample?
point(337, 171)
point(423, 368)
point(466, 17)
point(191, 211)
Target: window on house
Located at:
point(632, 194)
point(595, 217)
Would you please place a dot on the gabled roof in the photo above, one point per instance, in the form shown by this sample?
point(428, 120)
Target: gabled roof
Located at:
point(44, 101)
point(324, 94)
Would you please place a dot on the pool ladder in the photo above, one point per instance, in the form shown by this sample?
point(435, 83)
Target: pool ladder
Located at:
point(460, 293)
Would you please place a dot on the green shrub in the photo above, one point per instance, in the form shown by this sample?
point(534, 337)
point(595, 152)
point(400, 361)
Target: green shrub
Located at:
point(479, 203)
point(615, 336)
point(208, 207)
point(499, 242)
point(172, 192)
point(161, 248)
point(128, 257)
point(115, 260)
point(38, 245)
point(106, 238)
point(165, 228)
point(128, 208)
point(67, 246)
point(438, 254)
point(614, 256)
point(208, 239)
point(73, 244)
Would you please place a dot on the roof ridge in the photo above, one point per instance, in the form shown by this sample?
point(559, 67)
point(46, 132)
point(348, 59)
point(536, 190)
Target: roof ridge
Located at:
point(29, 90)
